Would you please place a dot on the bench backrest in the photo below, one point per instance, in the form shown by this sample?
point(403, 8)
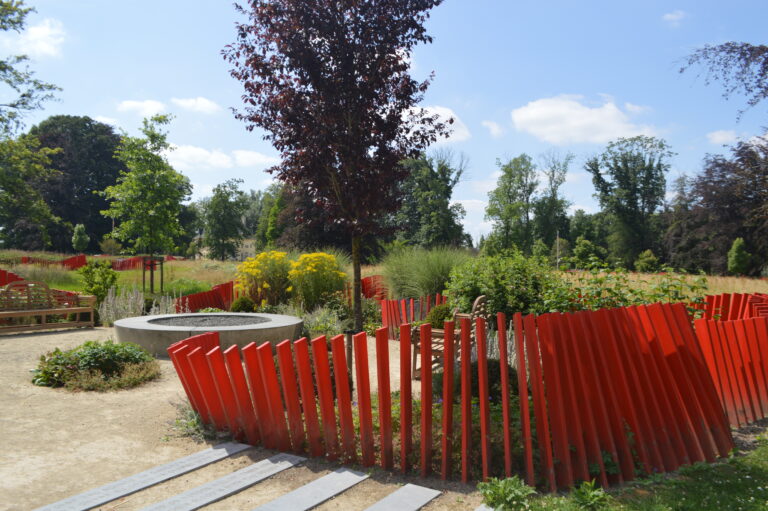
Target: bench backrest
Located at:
point(26, 295)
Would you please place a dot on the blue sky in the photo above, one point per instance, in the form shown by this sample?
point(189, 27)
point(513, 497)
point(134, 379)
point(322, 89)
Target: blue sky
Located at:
point(517, 76)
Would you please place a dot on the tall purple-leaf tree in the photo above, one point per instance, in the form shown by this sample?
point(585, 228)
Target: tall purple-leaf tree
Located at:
point(329, 82)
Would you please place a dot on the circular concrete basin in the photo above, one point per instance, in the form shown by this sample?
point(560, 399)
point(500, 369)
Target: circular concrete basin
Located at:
point(156, 333)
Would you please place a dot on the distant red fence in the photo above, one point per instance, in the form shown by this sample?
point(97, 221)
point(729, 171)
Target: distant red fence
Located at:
point(611, 390)
point(731, 306)
point(397, 312)
point(219, 297)
point(130, 263)
point(70, 263)
point(6, 277)
point(372, 287)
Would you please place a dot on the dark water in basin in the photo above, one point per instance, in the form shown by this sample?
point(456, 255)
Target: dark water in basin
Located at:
point(203, 320)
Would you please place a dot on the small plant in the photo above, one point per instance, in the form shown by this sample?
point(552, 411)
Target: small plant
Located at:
point(110, 246)
point(439, 314)
point(210, 309)
point(322, 321)
point(96, 366)
point(590, 497)
point(510, 494)
point(125, 303)
point(80, 238)
point(243, 304)
point(188, 424)
point(98, 277)
point(314, 276)
point(265, 277)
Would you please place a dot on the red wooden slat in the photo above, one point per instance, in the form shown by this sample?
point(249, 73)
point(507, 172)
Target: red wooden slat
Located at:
point(360, 342)
point(738, 372)
point(466, 397)
point(448, 366)
point(406, 399)
point(385, 398)
point(756, 327)
point(522, 383)
point(255, 382)
point(207, 388)
point(243, 397)
point(343, 397)
point(482, 378)
point(733, 407)
point(224, 390)
point(425, 334)
point(178, 353)
point(308, 401)
point(501, 325)
point(325, 392)
point(274, 400)
point(749, 354)
point(288, 382)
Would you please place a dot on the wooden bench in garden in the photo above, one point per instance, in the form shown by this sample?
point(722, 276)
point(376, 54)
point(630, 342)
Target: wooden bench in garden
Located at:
point(26, 305)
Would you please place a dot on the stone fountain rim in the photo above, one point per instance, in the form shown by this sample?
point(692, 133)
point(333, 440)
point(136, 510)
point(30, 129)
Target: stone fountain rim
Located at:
point(273, 321)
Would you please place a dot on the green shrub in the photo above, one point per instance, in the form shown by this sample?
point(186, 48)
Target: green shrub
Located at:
point(96, 366)
point(243, 304)
point(647, 262)
point(315, 276)
point(265, 277)
point(98, 277)
point(590, 497)
point(80, 238)
point(413, 272)
point(585, 253)
point(738, 258)
point(323, 321)
point(511, 283)
point(510, 494)
point(110, 246)
point(439, 314)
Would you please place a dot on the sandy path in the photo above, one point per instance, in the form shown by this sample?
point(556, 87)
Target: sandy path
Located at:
point(57, 443)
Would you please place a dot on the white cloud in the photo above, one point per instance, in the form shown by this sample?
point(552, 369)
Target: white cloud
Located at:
point(674, 18)
point(188, 157)
point(574, 177)
point(42, 40)
point(494, 128)
point(564, 119)
point(472, 205)
point(722, 137)
point(636, 109)
point(198, 104)
point(245, 158)
point(146, 108)
point(587, 209)
point(106, 120)
point(484, 186)
point(459, 130)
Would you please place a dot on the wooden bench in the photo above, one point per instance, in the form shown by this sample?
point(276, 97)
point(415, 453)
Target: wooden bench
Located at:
point(44, 308)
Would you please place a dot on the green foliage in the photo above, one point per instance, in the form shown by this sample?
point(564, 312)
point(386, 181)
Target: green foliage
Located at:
point(589, 497)
point(647, 262)
point(184, 286)
point(212, 309)
point(98, 277)
point(510, 205)
point(314, 276)
point(223, 229)
point(738, 258)
point(189, 424)
point(439, 314)
point(265, 277)
point(243, 304)
point(510, 494)
point(322, 321)
point(80, 238)
point(146, 201)
point(110, 246)
point(511, 283)
point(586, 254)
point(413, 272)
point(94, 360)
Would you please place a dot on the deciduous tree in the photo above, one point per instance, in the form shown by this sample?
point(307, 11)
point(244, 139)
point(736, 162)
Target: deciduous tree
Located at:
point(223, 229)
point(329, 82)
point(510, 204)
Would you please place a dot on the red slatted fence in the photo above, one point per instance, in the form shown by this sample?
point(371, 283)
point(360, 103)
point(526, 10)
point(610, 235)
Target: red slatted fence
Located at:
point(407, 310)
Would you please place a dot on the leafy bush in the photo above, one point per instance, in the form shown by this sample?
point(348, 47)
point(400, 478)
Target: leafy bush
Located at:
point(80, 238)
point(322, 321)
point(243, 304)
point(314, 276)
point(738, 258)
point(265, 277)
point(585, 253)
point(511, 283)
point(439, 314)
point(647, 262)
point(110, 246)
point(412, 272)
point(99, 365)
point(590, 497)
point(339, 303)
point(510, 494)
point(98, 277)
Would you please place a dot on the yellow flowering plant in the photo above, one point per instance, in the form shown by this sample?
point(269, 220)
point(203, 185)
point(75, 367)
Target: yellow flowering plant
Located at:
point(265, 277)
point(314, 276)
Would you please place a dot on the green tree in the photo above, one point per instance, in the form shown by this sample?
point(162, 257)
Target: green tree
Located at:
point(223, 220)
point(738, 258)
point(428, 218)
point(85, 164)
point(647, 262)
point(510, 204)
point(25, 218)
point(80, 238)
point(585, 252)
point(274, 228)
point(26, 93)
point(146, 200)
point(550, 208)
point(630, 183)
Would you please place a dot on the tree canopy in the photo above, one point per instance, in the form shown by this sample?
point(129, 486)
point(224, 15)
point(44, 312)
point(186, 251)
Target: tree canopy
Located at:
point(510, 205)
point(223, 229)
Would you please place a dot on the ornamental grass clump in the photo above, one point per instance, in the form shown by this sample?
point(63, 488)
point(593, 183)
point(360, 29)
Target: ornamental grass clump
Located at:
point(315, 276)
point(265, 277)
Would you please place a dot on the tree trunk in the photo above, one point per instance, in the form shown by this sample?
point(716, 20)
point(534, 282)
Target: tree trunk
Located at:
point(356, 285)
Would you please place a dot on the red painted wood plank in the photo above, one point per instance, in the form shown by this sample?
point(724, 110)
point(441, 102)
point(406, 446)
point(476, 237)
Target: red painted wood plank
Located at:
point(272, 391)
point(243, 397)
point(482, 379)
point(289, 384)
point(738, 414)
point(425, 337)
point(360, 343)
point(343, 397)
point(325, 392)
point(263, 415)
point(448, 367)
point(738, 372)
point(178, 356)
point(522, 383)
point(406, 399)
point(207, 388)
point(466, 397)
point(308, 400)
point(224, 391)
point(501, 326)
point(385, 398)
point(749, 356)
